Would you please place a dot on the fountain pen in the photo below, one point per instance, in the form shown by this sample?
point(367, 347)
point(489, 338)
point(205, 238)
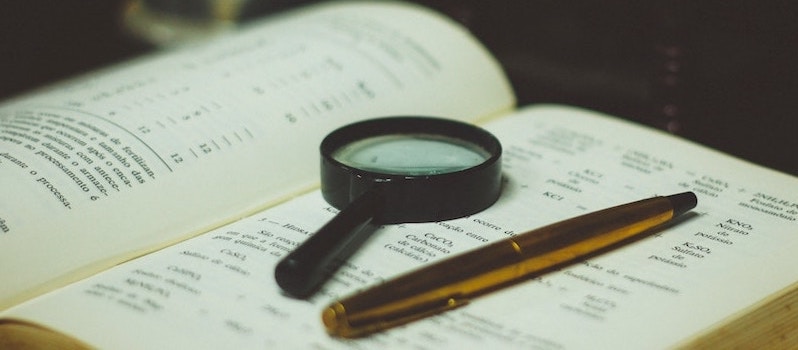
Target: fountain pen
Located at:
point(453, 282)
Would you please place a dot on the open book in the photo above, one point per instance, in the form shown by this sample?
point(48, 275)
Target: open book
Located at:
point(146, 205)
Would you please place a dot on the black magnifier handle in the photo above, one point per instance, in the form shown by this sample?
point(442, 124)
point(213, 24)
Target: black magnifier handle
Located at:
point(308, 266)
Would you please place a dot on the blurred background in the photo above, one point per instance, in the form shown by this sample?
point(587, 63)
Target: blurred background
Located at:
point(721, 73)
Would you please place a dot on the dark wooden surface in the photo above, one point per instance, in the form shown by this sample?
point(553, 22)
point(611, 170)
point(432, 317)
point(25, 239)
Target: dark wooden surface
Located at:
point(724, 74)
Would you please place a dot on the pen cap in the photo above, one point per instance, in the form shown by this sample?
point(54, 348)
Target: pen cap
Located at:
point(682, 202)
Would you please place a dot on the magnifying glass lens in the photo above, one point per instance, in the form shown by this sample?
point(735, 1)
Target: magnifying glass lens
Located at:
point(413, 154)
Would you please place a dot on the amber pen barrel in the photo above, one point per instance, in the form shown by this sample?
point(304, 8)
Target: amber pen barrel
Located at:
point(454, 281)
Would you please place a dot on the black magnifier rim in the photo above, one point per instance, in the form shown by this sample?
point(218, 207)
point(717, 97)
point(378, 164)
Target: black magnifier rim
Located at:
point(413, 198)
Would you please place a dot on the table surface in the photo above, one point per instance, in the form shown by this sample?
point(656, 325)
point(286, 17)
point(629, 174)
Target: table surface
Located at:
point(719, 74)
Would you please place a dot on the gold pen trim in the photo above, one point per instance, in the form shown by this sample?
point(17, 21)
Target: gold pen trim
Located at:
point(337, 323)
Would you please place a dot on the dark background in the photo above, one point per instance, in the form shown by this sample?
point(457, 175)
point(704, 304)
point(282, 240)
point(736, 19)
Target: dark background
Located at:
point(721, 73)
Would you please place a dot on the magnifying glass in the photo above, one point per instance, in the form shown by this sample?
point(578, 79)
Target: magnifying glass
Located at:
point(387, 171)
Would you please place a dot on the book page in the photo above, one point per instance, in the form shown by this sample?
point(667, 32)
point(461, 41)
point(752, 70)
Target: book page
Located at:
point(734, 249)
point(107, 166)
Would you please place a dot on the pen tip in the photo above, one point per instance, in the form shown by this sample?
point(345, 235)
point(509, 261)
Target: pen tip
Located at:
point(682, 202)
